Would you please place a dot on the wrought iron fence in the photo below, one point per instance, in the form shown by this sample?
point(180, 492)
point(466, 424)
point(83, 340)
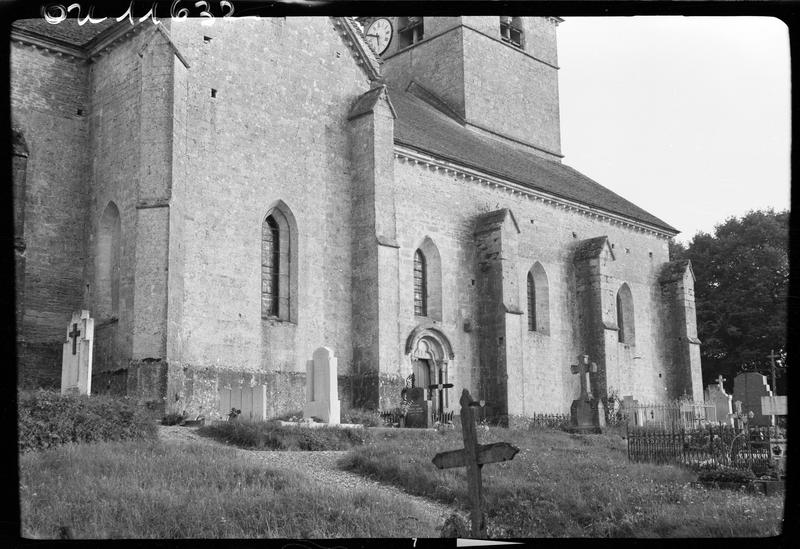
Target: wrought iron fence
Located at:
point(552, 421)
point(672, 415)
point(709, 446)
point(443, 417)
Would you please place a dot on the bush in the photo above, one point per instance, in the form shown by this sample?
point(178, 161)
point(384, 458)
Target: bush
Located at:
point(270, 436)
point(47, 418)
point(726, 474)
point(363, 416)
point(172, 419)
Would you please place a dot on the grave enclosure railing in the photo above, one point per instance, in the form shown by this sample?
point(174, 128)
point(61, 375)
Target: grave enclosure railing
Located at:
point(707, 447)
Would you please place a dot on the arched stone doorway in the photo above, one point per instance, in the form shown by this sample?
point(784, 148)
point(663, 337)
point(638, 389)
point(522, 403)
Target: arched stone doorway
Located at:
point(431, 357)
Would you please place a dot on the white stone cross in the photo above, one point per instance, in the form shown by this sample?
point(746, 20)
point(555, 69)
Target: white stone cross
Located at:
point(76, 355)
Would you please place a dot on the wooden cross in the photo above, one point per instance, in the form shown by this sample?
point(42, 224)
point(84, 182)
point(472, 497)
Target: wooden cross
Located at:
point(74, 335)
point(473, 456)
point(772, 356)
point(583, 368)
point(441, 388)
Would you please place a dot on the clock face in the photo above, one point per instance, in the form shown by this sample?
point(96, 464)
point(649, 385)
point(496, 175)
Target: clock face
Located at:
point(379, 34)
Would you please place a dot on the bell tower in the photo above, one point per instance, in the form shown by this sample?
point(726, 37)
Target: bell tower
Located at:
point(498, 73)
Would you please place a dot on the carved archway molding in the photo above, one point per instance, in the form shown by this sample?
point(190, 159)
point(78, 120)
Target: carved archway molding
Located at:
point(428, 341)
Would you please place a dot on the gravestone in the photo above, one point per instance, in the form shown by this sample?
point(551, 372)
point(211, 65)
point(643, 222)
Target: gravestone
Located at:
point(749, 388)
point(322, 388)
point(633, 411)
point(76, 356)
point(723, 402)
point(587, 414)
point(252, 401)
point(417, 413)
point(774, 405)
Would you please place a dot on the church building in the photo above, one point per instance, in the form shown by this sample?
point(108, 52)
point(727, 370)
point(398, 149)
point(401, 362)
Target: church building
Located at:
point(225, 199)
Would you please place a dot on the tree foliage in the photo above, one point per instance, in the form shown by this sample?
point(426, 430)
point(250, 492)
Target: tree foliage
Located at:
point(741, 288)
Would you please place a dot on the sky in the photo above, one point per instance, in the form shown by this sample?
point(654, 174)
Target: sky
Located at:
point(687, 117)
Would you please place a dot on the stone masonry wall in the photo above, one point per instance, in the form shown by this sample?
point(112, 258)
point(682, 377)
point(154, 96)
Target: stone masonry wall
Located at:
point(445, 206)
point(511, 93)
point(115, 122)
point(49, 107)
point(274, 128)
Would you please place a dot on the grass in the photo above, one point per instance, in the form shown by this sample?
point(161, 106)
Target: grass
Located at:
point(269, 435)
point(156, 490)
point(562, 485)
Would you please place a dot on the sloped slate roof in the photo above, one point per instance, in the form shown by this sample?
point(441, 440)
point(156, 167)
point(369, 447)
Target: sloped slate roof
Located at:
point(420, 126)
point(67, 31)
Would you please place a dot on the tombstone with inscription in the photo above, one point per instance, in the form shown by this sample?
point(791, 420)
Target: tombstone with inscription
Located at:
point(587, 414)
point(76, 357)
point(749, 388)
point(723, 402)
point(418, 413)
point(322, 387)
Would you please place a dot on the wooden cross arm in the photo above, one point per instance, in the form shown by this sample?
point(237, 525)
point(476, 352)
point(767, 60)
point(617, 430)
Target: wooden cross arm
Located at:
point(444, 386)
point(487, 453)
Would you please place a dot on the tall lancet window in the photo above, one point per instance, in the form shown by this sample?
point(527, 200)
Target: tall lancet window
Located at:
point(531, 303)
point(538, 300)
point(625, 322)
point(107, 274)
point(420, 285)
point(279, 264)
point(270, 267)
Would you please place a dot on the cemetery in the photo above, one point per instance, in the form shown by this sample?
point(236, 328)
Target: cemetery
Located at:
point(620, 469)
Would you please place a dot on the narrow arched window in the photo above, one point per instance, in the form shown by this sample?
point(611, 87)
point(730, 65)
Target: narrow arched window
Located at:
point(531, 303)
point(107, 263)
point(270, 267)
point(279, 264)
point(420, 285)
point(625, 320)
point(538, 300)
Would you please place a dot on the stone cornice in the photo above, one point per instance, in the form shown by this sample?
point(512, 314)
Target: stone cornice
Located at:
point(412, 156)
point(361, 50)
point(51, 45)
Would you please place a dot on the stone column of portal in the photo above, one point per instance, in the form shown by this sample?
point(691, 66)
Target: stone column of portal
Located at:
point(375, 252)
point(499, 314)
point(677, 293)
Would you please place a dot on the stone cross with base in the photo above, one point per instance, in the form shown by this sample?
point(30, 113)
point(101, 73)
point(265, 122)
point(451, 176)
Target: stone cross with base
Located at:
point(474, 456)
point(587, 414)
point(76, 355)
point(584, 368)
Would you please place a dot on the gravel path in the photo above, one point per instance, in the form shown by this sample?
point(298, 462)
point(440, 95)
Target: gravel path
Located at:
point(317, 466)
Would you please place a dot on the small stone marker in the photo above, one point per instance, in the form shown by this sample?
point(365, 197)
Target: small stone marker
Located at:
point(723, 402)
point(474, 456)
point(417, 413)
point(749, 388)
point(322, 388)
point(587, 414)
point(76, 356)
